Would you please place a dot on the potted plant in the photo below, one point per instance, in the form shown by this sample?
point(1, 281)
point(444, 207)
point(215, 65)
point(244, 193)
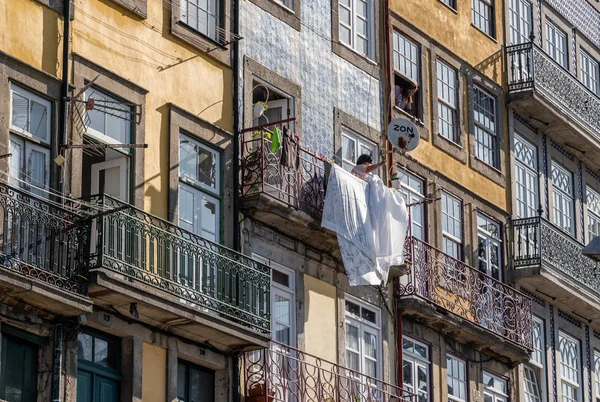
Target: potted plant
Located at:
point(257, 393)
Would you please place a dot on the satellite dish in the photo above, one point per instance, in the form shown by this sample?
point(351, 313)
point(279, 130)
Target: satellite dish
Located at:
point(403, 134)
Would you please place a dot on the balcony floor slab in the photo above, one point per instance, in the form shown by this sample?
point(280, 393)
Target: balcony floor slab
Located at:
point(165, 310)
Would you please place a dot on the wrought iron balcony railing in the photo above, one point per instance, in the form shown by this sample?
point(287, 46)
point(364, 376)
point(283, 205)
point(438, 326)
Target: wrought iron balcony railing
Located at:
point(146, 248)
point(285, 374)
point(301, 186)
point(530, 68)
point(42, 240)
point(468, 293)
point(538, 242)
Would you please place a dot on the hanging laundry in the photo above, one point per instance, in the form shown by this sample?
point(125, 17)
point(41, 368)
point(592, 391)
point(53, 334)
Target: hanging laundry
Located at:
point(370, 220)
point(275, 140)
point(290, 157)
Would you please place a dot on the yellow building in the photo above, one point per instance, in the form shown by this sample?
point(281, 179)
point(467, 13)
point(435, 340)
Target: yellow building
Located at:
point(116, 276)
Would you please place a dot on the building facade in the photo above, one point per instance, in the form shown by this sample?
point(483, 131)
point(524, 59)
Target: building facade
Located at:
point(552, 58)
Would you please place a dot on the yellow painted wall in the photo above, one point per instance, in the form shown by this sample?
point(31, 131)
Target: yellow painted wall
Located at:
point(320, 323)
point(454, 32)
point(137, 50)
point(154, 373)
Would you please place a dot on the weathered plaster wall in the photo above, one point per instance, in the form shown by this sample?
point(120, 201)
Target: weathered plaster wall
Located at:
point(319, 327)
point(306, 58)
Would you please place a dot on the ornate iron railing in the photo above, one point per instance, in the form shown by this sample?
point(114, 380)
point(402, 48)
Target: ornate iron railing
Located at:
point(42, 240)
point(207, 275)
point(301, 185)
point(285, 374)
point(467, 293)
point(538, 242)
point(529, 67)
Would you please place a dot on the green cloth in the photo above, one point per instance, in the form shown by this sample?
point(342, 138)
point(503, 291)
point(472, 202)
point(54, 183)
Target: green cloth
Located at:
point(275, 140)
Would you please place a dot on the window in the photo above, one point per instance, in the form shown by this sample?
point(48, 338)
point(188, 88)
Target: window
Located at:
point(199, 188)
point(597, 375)
point(18, 376)
point(98, 367)
point(30, 141)
point(195, 383)
point(452, 226)
point(283, 305)
point(353, 145)
point(593, 210)
point(482, 13)
point(447, 101)
point(415, 366)
point(556, 44)
point(356, 25)
point(520, 21)
point(562, 196)
point(569, 368)
point(534, 371)
point(450, 3)
point(413, 189)
point(110, 118)
point(489, 246)
point(484, 112)
point(203, 17)
point(590, 73)
point(457, 379)
point(407, 65)
point(362, 338)
point(495, 388)
point(526, 178)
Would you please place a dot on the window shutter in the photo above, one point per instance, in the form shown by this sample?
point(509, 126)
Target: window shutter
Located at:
point(20, 111)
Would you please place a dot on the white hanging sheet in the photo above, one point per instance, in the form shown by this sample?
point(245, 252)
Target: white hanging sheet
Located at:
point(370, 221)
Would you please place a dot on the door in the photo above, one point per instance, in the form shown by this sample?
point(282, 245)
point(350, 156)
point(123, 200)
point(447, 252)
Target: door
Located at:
point(110, 178)
point(521, 30)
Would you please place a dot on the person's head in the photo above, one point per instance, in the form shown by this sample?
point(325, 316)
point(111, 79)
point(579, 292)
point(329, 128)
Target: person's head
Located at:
point(365, 159)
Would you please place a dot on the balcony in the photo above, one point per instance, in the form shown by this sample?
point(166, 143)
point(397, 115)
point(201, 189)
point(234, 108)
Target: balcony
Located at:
point(552, 98)
point(289, 198)
point(176, 279)
point(285, 374)
point(40, 263)
point(548, 260)
point(463, 301)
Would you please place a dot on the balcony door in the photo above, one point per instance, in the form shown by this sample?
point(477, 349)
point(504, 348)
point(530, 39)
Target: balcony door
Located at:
point(110, 178)
point(489, 252)
point(521, 31)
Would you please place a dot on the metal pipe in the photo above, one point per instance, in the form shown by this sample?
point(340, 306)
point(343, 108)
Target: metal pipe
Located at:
point(64, 105)
point(237, 243)
point(58, 353)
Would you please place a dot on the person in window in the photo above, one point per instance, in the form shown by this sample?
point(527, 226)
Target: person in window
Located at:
point(404, 95)
point(365, 167)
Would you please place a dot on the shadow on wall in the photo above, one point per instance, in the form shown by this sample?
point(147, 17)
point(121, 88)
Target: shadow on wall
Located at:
point(492, 66)
point(159, 200)
point(51, 42)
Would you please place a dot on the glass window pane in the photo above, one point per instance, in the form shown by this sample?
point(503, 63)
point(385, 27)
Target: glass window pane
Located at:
point(39, 121)
point(20, 112)
point(84, 347)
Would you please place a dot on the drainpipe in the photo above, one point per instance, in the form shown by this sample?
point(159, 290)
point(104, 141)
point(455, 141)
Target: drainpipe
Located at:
point(236, 129)
point(64, 108)
point(399, 349)
point(58, 354)
point(387, 112)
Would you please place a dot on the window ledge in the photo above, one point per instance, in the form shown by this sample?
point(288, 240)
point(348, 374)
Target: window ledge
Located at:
point(454, 10)
point(281, 12)
point(489, 171)
point(353, 57)
point(409, 116)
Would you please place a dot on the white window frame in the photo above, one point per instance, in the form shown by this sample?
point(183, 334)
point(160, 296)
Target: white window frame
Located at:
point(460, 362)
point(407, 57)
point(485, 116)
point(482, 16)
point(31, 98)
point(209, 193)
point(526, 178)
point(557, 44)
point(519, 22)
point(449, 215)
point(417, 362)
point(593, 212)
point(213, 29)
point(489, 241)
point(566, 381)
point(450, 3)
point(103, 137)
point(563, 199)
point(365, 326)
point(531, 384)
point(494, 391)
point(413, 189)
point(359, 143)
point(590, 72)
point(23, 176)
point(283, 291)
point(447, 94)
point(351, 6)
point(596, 375)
